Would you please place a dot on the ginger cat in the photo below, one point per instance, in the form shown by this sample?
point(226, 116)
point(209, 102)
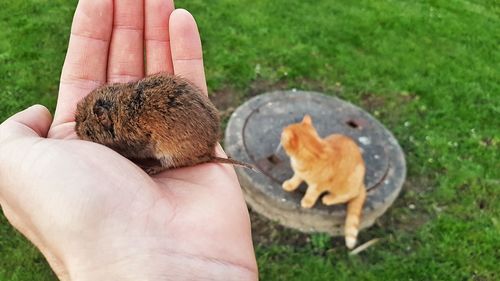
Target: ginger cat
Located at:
point(333, 165)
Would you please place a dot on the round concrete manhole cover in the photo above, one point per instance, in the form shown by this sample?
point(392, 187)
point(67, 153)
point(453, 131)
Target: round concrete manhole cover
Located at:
point(253, 134)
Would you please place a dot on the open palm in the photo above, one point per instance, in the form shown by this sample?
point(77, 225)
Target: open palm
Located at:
point(90, 210)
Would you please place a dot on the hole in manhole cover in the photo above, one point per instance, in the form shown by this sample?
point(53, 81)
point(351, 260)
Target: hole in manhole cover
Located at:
point(353, 124)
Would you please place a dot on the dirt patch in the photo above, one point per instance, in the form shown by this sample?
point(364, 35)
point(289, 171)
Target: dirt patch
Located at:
point(226, 100)
point(261, 86)
point(228, 97)
point(372, 101)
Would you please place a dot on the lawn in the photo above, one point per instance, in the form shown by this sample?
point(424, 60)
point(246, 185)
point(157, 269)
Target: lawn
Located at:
point(428, 70)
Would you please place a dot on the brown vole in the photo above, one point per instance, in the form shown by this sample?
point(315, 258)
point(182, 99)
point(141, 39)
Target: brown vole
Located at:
point(161, 117)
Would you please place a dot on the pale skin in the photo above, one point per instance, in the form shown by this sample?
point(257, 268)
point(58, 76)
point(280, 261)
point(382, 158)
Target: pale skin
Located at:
point(95, 215)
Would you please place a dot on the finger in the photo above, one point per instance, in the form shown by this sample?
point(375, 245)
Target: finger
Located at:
point(32, 122)
point(185, 42)
point(86, 60)
point(126, 52)
point(156, 35)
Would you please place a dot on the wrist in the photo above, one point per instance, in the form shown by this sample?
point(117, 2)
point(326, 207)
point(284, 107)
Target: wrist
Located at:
point(159, 266)
point(167, 268)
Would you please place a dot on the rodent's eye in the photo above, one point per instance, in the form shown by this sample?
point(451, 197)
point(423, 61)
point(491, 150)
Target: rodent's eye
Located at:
point(102, 112)
point(99, 111)
point(101, 107)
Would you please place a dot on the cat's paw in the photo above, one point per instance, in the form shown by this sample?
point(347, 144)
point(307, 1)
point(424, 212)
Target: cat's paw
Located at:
point(328, 199)
point(306, 203)
point(288, 186)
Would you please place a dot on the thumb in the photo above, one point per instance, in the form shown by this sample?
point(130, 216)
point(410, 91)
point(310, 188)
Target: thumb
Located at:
point(32, 122)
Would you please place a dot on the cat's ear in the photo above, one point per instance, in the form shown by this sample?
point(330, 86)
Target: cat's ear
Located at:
point(307, 120)
point(294, 140)
point(289, 139)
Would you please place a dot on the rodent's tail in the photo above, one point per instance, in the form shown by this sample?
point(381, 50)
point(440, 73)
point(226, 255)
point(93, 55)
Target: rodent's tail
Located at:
point(234, 162)
point(353, 218)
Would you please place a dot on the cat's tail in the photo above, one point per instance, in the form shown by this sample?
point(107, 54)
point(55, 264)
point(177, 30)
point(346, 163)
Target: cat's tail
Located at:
point(353, 218)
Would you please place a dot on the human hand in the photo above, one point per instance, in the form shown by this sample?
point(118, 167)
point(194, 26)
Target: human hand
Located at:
point(94, 214)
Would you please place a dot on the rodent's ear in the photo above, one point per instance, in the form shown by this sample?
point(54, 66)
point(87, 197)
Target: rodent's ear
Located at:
point(101, 111)
point(307, 119)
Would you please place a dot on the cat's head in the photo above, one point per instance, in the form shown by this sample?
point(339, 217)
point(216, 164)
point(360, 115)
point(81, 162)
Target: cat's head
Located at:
point(299, 135)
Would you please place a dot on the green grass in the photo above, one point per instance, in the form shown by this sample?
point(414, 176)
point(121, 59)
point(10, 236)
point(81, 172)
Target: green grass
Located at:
point(429, 70)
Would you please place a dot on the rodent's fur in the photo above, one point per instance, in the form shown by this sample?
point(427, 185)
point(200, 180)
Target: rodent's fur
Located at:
point(162, 116)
